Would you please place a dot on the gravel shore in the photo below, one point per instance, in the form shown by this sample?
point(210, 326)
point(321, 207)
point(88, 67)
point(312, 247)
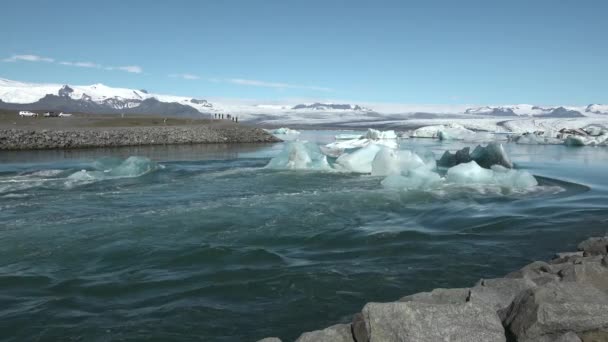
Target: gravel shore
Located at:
point(32, 139)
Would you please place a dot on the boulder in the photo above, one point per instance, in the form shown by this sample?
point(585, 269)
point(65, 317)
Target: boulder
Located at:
point(335, 333)
point(440, 296)
point(566, 257)
point(422, 322)
point(595, 336)
point(270, 339)
point(499, 293)
point(546, 312)
point(539, 272)
point(594, 246)
point(589, 272)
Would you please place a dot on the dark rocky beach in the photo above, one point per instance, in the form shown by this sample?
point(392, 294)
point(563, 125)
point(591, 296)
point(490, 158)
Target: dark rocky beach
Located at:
point(30, 139)
point(563, 300)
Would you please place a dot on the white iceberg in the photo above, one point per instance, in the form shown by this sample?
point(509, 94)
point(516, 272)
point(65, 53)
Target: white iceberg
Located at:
point(471, 173)
point(348, 136)
point(111, 168)
point(300, 156)
point(284, 130)
point(416, 179)
point(374, 134)
point(391, 162)
point(383, 138)
point(359, 161)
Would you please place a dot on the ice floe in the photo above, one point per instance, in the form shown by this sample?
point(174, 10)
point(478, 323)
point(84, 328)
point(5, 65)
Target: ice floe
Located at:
point(284, 130)
point(111, 168)
point(299, 155)
point(487, 167)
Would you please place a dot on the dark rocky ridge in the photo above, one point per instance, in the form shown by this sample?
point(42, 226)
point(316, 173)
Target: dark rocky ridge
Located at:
point(564, 300)
point(109, 106)
point(29, 139)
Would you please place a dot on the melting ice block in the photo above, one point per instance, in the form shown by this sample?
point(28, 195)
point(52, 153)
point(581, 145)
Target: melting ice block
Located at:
point(111, 168)
point(300, 156)
point(374, 134)
point(284, 130)
point(416, 179)
point(359, 161)
point(388, 162)
point(472, 173)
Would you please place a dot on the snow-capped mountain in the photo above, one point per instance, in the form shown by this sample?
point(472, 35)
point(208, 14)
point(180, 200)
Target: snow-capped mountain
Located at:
point(96, 98)
point(99, 98)
point(597, 109)
point(327, 107)
point(526, 110)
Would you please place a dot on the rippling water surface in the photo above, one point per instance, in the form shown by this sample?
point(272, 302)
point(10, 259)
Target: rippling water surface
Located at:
point(202, 242)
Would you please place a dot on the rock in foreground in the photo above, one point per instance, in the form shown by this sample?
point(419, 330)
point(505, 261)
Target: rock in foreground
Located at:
point(565, 300)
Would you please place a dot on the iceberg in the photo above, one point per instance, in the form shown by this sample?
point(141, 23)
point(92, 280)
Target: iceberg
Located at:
point(338, 147)
point(359, 161)
point(299, 156)
point(486, 157)
point(348, 136)
point(284, 130)
point(472, 173)
point(112, 168)
point(374, 134)
point(416, 179)
point(492, 154)
point(391, 162)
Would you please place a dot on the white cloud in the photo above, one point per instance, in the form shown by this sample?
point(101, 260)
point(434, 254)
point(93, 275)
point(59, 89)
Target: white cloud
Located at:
point(35, 58)
point(28, 58)
point(276, 85)
point(185, 76)
point(81, 64)
point(128, 68)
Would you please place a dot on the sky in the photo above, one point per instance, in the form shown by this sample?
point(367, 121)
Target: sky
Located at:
point(420, 52)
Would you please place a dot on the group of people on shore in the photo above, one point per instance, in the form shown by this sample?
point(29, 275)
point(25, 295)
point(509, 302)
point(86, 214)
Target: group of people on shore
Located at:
point(226, 117)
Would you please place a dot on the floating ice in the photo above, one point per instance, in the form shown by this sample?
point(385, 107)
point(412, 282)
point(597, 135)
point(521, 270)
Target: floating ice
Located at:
point(111, 168)
point(576, 140)
point(416, 179)
point(300, 156)
point(384, 138)
point(359, 161)
point(284, 130)
point(472, 173)
point(390, 162)
point(536, 139)
point(374, 134)
point(348, 136)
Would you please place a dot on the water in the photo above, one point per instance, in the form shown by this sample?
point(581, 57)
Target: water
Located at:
point(202, 243)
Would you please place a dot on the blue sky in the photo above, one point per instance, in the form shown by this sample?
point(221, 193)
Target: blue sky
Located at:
point(419, 52)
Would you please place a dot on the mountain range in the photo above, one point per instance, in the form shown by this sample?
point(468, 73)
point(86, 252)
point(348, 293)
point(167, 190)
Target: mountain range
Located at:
point(99, 98)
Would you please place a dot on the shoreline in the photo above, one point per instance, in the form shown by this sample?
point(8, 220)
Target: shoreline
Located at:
point(15, 139)
point(563, 300)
